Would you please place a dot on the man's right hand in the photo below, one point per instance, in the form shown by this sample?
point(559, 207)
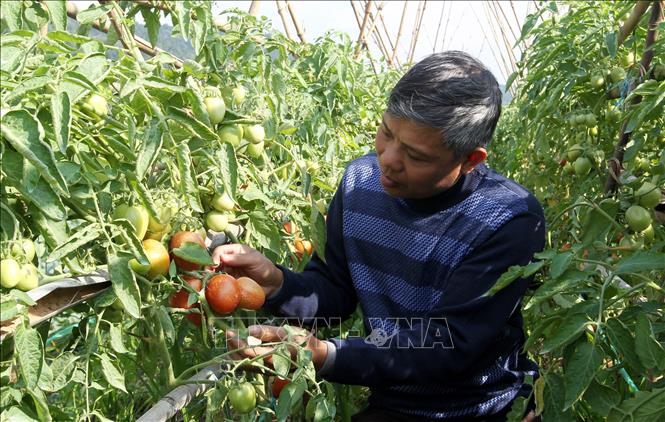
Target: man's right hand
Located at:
point(243, 261)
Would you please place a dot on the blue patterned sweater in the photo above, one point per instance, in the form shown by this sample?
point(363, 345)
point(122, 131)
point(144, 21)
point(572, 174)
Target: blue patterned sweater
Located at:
point(418, 269)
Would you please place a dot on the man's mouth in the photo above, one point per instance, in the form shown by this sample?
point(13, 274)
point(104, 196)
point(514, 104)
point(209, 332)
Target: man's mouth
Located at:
point(388, 182)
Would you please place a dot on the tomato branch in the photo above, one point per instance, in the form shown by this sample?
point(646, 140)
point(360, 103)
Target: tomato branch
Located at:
point(631, 23)
point(614, 164)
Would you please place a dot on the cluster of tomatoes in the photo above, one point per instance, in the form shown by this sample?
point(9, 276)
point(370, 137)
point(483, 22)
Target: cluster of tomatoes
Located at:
point(301, 246)
point(16, 268)
point(639, 217)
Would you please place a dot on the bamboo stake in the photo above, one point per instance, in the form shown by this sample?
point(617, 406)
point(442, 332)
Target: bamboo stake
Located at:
point(492, 50)
point(254, 8)
point(496, 41)
point(445, 29)
point(378, 39)
point(416, 30)
point(399, 32)
point(517, 21)
point(361, 35)
point(280, 10)
point(143, 45)
point(438, 28)
point(390, 41)
point(614, 164)
point(509, 49)
point(299, 30)
point(497, 5)
point(369, 54)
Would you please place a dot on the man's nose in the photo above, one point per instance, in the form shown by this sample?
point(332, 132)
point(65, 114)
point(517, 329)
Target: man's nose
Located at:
point(391, 160)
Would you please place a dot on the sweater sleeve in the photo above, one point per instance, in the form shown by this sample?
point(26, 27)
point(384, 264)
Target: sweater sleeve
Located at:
point(323, 289)
point(463, 329)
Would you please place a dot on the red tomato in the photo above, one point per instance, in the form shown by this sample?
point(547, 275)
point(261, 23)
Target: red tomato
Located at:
point(223, 293)
point(277, 385)
point(180, 298)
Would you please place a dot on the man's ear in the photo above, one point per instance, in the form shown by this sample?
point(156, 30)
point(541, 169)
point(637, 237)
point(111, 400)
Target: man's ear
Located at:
point(474, 158)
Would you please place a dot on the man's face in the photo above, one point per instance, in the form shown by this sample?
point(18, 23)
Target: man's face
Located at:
point(414, 162)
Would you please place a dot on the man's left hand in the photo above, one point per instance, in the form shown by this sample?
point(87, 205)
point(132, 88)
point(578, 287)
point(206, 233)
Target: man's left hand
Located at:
point(270, 334)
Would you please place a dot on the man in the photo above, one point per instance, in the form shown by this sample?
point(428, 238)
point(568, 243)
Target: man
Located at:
point(417, 234)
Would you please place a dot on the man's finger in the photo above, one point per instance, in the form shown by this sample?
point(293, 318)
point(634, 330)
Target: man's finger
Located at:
point(225, 251)
point(530, 417)
point(267, 333)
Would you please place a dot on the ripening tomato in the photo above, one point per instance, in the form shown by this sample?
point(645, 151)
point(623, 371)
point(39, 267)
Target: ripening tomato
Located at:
point(231, 134)
point(98, 104)
point(289, 227)
point(243, 397)
point(252, 295)
point(26, 248)
point(180, 299)
point(222, 293)
point(277, 385)
point(137, 215)
point(238, 93)
point(303, 246)
point(216, 109)
point(255, 150)
point(158, 257)
point(217, 221)
point(10, 273)
point(178, 240)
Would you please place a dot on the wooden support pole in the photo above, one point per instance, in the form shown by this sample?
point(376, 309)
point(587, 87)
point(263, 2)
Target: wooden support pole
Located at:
point(369, 54)
point(631, 23)
point(361, 35)
point(495, 37)
point(377, 34)
point(254, 8)
point(143, 45)
point(497, 5)
point(399, 32)
point(445, 28)
point(438, 28)
point(492, 50)
point(280, 9)
point(299, 30)
point(390, 41)
point(504, 36)
point(416, 30)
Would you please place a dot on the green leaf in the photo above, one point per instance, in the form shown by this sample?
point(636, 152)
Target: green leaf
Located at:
point(188, 185)
point(92, 68)
point(62, 119)
point(649, 350)
point(554, 396)
point(641, 262)
point(152, 23)
point(93, 13)
point(517, 410)
point(8, 309)
point(22, 297)
point(513, 76)
point(282, 361)
point(82, 237)
point(596, 223)
point(264, 231)
point(194, 125)
point(26, 135)
point(124, 284)
point(26, 86)
point(570, 328)
point(29, 353)
point(289, 398)
point(54, 231)
point(624, 343)
point(41, 404)
point(15, 413)
point(611, 44)
point(65, 36)
point(601, 398)
point(645, 406)
point(193, 252)
point(228, 167)
point(115, 334)
point(151, 144)
point(112, 374)
point(61, 369)
point(9, 224)
point(57, 12)
point(166, 324)
point(580, 371)
point(512, 274)
point(560, 264)
point(12, 15)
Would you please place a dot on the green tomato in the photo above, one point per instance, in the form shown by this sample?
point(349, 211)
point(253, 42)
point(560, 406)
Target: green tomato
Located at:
point(582, 166)
point(216, 109)
point(574, 152)
point(568, 168)
point(648, 195)
point(243, 397)
point(156, 225)
point(10, 273)
point(628, 59)
point(255, 150)
point(25, 249)
point(613, 114)
point(98, 104)
point(30, 279)
point(238, 93)
point(222, 202)
point(231, 134)
point(631, 243)
point(617, 74)
point(648, 234)
point(580, 119)
point(638, 218)
point(137, 215)
point(217, 221)
point(590, 120)
point(641, 164)
point(659, 72)
point(255, 134)
point(597, 81)
point(593, 131)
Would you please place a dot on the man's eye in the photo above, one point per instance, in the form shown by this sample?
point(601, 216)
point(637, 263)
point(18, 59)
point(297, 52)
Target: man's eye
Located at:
point(386, 133)
point(417, 158)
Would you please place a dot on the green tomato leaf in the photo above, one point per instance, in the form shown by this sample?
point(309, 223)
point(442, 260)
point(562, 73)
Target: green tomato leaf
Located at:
point(193, 252)
point(124, 284)
point(151, 144)
point(228, 168)
point(188, 184)
point(29, 353)
point(25, 134)
point(649, 350)
point(80, 238)
point(580, 371)
point(62, 118)
point(641, 262)
point(644, 406)
point(112, 374)
point(512, 274)
point(115, 334)
point(93, 13)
